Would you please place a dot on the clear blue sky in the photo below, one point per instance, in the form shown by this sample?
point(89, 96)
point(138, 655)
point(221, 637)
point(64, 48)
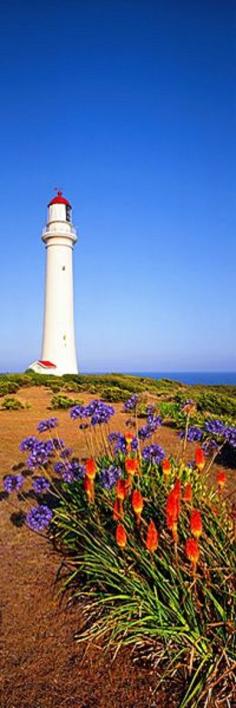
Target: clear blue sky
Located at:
point(129, 107)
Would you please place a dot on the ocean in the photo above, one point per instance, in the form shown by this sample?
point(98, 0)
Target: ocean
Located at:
point(192, 377)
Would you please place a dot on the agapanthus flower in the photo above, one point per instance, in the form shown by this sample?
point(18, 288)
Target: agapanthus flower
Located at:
point(59, 467)
point(209, 446)
point(121, 536)
point(152, 538)
point(215, 427)
point(192, 551)
point(151, 426)
point(194, 434)
point(40, 454)
point(66, 453)
point(153, 453)
point(40, 485)
point(119, 442)
point(77, 412)
point(196, 523)
point(39, 517)
point(47, 424)
point(131, 403)
point(13, 483)
point(109, 476)
point(58, 443)
point(28, 443)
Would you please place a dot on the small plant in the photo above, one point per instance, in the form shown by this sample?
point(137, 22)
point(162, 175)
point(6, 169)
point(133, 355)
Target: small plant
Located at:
point(11, 404)
point(62, 401)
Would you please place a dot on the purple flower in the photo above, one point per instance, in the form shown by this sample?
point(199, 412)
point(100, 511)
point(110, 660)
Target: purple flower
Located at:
point(59, 467)
point(118, 440)
point(70, 471)
point(108, 477)
point(215, 427)
point(209, 446)
point(131, 403)
point(12, 483)
point(194, 434)
point(153, 453)
point(40, 454)
point(65, 453)
point(58, 443)
point(230, 435)
point(28, 443)
point(39, 517)
point(47, 424)
point(77, 412)
point(40, 485)
point(153, 422)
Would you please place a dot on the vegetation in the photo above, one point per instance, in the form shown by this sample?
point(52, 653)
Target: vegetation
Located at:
point(62, 401)
point(11, 404)
point(149, 543)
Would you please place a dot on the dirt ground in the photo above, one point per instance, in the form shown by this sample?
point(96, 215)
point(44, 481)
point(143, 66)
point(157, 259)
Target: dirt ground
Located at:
point(41, 665)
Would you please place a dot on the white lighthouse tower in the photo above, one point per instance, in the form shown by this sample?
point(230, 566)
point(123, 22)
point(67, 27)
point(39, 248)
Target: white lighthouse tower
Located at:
point(58, 347)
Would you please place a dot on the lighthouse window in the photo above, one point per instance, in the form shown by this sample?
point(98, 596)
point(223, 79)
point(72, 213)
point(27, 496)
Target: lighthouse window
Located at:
point(63, 267)
point(68, 213)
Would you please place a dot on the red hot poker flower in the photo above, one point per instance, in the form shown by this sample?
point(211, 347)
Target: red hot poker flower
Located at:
point(152, 538)
point(192, 550)
point(118, 512)
point(188, 493)
point(129, 437)
point(90, 468)
point(196, 523)
point(89, 488)
point(121, 536)
point(121, 489)
point(166, 466)
point(137, 502)
point(131, 465)
point(221, 478)
point(199, 458)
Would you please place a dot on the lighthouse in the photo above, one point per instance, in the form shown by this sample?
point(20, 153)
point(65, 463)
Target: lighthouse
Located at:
point(58, 355)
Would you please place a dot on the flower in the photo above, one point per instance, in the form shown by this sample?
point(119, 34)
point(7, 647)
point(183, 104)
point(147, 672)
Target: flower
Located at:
point(109, 476)
point(28, 443)
point(121, 536)
point(40, 484)
point(188, 493)
point(90, 468)
point(119, 442)
point(166, 466)
point(173, 508)
point(129, 437)
point(131, 465)
point(47, 424)
point(89, 488)
point(121, 489)
point(131, 403)
point(137, 502)
point(152, 538)
point(154, 454)
point(12, 483)
point(153, 422)
point(77, 412)
point(192, 550)
point(221, 478)
point(194, 434)
point(38, 518)
point(199, 458)
point(40, 454)
point(196, 523)
point(118, 512)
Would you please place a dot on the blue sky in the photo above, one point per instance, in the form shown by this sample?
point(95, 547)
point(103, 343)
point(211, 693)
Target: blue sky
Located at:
point(129, 107)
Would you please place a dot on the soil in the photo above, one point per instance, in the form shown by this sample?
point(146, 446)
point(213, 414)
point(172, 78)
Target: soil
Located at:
point(41, 664)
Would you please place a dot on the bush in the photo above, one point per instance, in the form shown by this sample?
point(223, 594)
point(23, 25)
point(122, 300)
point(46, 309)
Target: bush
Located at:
point(61, 401)
point(114, 394)
point(11, 404)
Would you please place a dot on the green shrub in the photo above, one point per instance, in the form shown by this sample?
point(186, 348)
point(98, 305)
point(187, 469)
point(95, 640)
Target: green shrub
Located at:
point(114, 394)
point(11, 404)
point(61, 401)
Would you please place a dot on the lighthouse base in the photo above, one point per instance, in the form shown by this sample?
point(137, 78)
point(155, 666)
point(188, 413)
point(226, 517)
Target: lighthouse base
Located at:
point(44, 367)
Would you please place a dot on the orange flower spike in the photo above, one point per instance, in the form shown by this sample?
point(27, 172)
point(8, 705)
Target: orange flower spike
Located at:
point(221, 478)
point(129, 437)
point(196, 523)
point(172, 505)
point(188, 493)
point(137, 503)
point(121, 536)
point(90, 468)
point(152, 538)
point(121, 489)
point(131, 465)
point(192, 551)
point(199, 458)
point(166, 467)
point(89, 488)
point(118, 512)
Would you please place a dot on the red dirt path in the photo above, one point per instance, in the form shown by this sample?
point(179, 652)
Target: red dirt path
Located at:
point(41, 665)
